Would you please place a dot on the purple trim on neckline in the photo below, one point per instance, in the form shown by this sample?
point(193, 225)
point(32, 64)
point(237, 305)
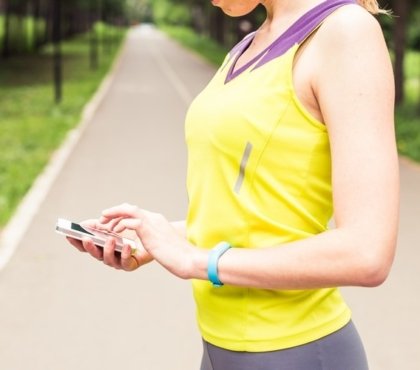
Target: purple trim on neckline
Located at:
point(295, 34)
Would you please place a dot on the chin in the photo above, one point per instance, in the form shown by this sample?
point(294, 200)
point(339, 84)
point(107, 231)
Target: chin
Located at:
point(235, 13)
point(238, 10)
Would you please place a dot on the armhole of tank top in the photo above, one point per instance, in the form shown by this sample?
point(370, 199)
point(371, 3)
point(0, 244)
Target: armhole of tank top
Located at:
point(296, 55)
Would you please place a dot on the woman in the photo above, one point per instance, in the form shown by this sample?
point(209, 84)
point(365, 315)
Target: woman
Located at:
point(298, 118)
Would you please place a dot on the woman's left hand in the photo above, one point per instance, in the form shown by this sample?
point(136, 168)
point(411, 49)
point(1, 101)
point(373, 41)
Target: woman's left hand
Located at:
point(157, 235)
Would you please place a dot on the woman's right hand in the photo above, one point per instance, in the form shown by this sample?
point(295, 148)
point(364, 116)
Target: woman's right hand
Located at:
point(124, 261)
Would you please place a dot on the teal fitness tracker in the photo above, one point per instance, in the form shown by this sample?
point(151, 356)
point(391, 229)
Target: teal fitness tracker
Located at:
point(214, 256)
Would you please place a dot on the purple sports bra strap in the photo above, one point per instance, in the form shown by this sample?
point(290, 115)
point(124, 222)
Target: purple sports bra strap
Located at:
point(302, 28)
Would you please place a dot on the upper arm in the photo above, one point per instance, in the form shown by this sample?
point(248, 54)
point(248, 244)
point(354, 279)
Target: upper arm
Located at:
point(355, 89)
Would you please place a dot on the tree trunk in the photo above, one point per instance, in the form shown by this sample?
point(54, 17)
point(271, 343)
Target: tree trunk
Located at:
point(93, 37)
point(37, 20)
point(6, 32)
point(401, 9)
point(216, 26)
point(56, 35)
point(48, 16)
point(28, 27)
point(198, 22)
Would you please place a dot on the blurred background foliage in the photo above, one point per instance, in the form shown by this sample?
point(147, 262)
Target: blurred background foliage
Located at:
point(53, 56)
point(54, 53)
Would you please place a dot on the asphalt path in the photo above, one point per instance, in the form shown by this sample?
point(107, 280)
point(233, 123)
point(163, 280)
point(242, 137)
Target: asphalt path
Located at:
point(60, 310)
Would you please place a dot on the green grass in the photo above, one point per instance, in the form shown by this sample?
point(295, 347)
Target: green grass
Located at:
point(412, 73)
point(31, 125)
point(408, 115)
point(408, 131)
point(203, 45)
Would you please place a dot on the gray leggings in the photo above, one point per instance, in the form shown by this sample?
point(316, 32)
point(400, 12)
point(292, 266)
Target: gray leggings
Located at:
point(341, 350)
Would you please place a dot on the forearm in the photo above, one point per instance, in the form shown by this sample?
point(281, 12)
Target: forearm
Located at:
point(333, 258)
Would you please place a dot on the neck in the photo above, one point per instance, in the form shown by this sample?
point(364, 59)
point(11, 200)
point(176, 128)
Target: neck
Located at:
point(286, 9)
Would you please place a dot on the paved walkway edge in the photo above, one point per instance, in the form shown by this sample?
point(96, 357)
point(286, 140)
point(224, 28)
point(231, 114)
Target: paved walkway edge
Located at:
point(27, 210)
point(410, 163)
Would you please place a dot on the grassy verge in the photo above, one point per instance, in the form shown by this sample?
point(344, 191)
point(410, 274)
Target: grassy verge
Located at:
point(31, 125)
point(408, 131)
point(412, 70)
point(407, 116)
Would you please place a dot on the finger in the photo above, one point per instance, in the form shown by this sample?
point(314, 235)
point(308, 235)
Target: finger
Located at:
point(110, 258)
point(104, 220)
point(126, 223)
point(76, 243)
point(123, 210)
point(119, 228)
point(114, 224)
point(90, 223)
point(108, 224)
point(92, 249)
point(131, 224)
point(128, 262)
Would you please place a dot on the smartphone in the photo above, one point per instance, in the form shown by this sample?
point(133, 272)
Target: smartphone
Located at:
point(77, 231)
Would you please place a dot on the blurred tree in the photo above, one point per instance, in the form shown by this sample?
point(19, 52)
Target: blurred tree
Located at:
point(56, 35)
point(37, 18)
point(137, 11)
point(402, 10)
point(29, 24)
point(94, 16)
point(206, 19)
point(7, 7)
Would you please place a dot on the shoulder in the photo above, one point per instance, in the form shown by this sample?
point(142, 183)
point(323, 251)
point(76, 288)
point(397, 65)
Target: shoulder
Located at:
point(349, 27)
point(351, 13)
point(351, 67)
point(351, 42)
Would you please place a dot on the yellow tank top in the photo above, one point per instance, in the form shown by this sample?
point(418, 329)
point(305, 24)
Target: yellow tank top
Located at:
point(259, 175)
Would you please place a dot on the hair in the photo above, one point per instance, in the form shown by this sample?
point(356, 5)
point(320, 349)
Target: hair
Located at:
point(373, 7)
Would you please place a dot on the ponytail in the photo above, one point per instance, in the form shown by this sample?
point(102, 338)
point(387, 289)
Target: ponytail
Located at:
point(373, 7)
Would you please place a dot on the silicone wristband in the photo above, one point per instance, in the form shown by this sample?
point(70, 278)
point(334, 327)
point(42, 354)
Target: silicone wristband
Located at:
point(214, 256)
